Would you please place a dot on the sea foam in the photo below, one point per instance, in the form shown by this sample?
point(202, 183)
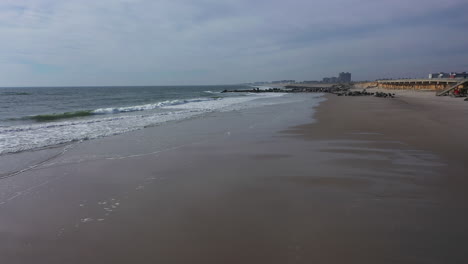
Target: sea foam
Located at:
point(103, 123)
point(147, 106)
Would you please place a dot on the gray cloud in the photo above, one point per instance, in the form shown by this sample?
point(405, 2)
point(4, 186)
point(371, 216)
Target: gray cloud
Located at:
point(146, 42)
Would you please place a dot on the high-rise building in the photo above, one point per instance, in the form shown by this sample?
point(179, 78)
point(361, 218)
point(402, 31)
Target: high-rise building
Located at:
point(344, 77)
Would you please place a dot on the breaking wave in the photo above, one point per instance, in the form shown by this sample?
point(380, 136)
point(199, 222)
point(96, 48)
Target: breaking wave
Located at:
point(113, 110)
point(68, 127)
point(66, 115)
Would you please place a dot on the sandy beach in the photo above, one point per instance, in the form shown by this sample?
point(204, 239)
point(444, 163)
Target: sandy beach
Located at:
point(353, 180)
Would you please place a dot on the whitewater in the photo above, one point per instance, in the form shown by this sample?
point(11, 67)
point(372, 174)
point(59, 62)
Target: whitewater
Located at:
point(25, 131)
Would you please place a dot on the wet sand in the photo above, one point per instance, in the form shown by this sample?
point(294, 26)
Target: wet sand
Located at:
point(373, 181)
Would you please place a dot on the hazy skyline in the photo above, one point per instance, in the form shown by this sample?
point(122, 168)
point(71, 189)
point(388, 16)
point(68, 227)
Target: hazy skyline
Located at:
point(170, 42)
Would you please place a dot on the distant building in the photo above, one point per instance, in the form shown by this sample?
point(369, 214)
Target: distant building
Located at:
point(438, 75)
point(344, 77)
point(454, 75)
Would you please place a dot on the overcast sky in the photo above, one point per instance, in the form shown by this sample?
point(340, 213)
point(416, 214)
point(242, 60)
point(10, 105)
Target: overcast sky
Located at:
point(170, 42)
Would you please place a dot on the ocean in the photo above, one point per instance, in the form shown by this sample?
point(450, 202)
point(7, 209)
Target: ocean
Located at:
point(40, 117)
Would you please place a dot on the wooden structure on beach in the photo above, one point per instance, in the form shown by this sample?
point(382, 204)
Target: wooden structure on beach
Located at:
point(460, 85)
point(440, 85)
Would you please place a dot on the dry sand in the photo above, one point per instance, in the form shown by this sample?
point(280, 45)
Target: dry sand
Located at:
point(373, 181)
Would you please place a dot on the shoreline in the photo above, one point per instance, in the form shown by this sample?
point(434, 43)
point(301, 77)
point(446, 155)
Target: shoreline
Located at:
point(365, 183)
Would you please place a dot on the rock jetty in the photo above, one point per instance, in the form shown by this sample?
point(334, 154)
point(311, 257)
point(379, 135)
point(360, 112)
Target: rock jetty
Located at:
point(365, 93)
point(296, 89)
point(338, 89)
